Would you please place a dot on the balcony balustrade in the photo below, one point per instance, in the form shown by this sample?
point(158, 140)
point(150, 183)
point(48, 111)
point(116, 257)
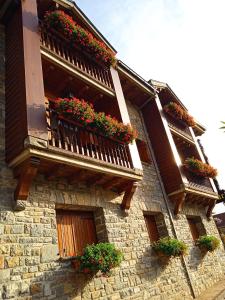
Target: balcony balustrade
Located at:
point(74, 56)
point(69, 136)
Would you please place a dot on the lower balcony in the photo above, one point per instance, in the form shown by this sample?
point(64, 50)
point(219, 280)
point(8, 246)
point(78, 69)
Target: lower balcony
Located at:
point(76, 154)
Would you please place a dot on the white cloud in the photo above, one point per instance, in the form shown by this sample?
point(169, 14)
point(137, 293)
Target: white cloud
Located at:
point(180, 42)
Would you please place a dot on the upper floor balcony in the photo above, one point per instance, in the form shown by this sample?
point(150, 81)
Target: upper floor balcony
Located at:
point(38, 139)
point(56, 48)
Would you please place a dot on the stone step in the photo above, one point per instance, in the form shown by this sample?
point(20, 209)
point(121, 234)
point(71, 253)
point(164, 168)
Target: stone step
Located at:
point(215, 292)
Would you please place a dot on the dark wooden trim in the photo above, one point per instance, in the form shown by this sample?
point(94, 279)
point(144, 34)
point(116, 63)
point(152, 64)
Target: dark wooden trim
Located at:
point(179, 201)
point(128, 195)
point(210, 208)
point(34, 86)
point(26, 175)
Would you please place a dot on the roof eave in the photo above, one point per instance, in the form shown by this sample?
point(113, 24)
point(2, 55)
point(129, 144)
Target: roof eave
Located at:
point(133, 75)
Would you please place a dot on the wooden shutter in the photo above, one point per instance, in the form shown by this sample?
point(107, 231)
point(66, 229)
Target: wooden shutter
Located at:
point(193, 228)
point(143, 151)
point(152, 227)
point(75, 231)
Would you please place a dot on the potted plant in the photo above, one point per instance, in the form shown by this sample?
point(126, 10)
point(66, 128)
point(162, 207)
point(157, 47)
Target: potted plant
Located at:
point(207, 243)
point(176, 111)
point(199, 168)
point(83, 114)
point(76, 35)
point(99, 257)
point(168, 247)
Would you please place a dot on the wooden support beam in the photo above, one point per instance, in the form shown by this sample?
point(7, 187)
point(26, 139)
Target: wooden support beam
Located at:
point(34, 87)
point(180, 198)
point(78, 176)
point(128, 195)
point(109, 184)
point(27, 173)
point(94, 180)
point(52, 174)
point(210, 209)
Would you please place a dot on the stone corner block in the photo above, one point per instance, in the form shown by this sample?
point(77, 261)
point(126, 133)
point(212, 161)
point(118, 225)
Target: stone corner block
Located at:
point(49, 253)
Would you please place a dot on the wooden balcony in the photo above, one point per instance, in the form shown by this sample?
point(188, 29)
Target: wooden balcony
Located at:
point(72, 137)
point(84, 64)
point(172, 147)
point(179, 128)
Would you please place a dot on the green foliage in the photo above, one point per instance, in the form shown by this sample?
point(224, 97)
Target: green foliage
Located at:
point(170, 247)
point(199, 168)
point(100, 257)
point(208, 242)
point(223, 127)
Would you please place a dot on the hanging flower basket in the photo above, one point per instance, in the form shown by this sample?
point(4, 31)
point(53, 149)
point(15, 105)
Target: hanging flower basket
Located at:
point(168, 247)
point(208, 243)
point(101, 257)
point(199, 168)
point(177, 112)
point(78, 36)
point(82, 113)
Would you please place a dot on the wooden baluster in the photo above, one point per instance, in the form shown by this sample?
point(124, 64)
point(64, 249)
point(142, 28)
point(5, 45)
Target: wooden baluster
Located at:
point(122, 147)
point(96, 147)
point(92, 145)
point(81, 140)
point(75, 137)
point(112, 148)
point(71, 137)
point(65, 137)
point(103, 148)
point(109, 151)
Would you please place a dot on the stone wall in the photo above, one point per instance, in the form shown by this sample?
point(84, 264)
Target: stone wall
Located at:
point(29, 263)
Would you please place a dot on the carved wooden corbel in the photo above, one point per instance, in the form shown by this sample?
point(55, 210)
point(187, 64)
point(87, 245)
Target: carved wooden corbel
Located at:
point(210, 208)
point(25, 175)
point(179, 203)
point(129, 192)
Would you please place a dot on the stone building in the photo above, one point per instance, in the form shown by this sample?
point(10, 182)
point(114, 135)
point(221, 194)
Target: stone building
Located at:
point(52, 170)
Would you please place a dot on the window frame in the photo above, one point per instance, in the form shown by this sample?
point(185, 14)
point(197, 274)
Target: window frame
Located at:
point(152, 228)
point(73, 233)
point(143, 151)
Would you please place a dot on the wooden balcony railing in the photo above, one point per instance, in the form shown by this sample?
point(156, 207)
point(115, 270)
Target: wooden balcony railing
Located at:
point(201, 184)
point(84, 63)
point(69, 136)
point(180, 127)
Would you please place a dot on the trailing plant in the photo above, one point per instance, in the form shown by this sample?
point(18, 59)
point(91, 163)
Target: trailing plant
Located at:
point(83, 113)
point(199, 168)
point(77, 35)
point(208, 243)
point(100, 257)
point(170, 247)
point(176, 111)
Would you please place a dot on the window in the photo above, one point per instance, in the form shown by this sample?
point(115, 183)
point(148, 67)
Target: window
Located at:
point(196, 227)
point(76, 229)
point(153, 232)
point(143, 151)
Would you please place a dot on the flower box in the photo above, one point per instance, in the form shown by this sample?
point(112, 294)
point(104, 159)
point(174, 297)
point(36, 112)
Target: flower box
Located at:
point(199, 168)
point(80, 112)
point(207, 243)
point(176, 111)
point(76, 35)
point(99, 257)
point(168, 247)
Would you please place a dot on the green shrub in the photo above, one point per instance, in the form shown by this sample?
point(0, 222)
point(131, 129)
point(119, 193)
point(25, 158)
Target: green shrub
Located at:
point(100, 257)
point(170, 247)
point(208, 242)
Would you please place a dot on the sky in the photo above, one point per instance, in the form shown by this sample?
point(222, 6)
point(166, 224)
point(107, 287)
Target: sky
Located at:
point(180, 42)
